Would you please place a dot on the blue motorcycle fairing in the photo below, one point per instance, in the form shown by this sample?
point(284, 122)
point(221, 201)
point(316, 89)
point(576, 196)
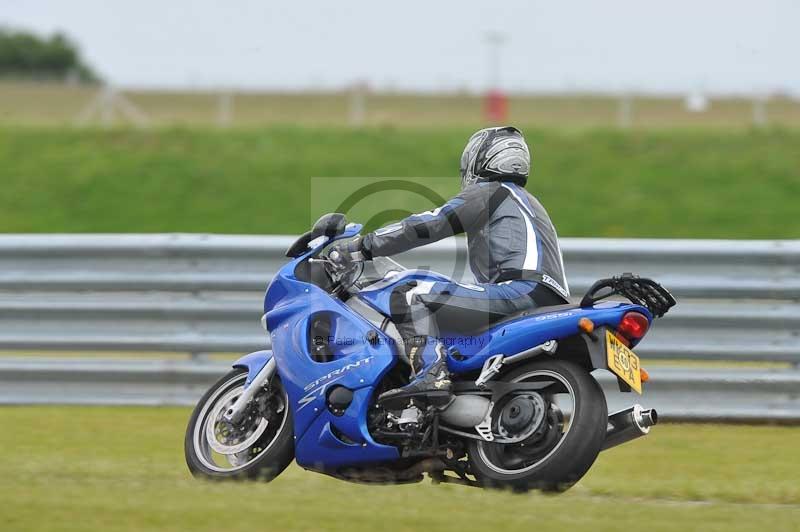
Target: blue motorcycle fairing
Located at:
point(253, 363)
point(324, 440)
point(378, 295)
point(357, 363)
point(511, 337)
point(320, 448)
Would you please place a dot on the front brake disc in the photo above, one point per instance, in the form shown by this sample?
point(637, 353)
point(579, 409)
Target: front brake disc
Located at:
point(215, 419)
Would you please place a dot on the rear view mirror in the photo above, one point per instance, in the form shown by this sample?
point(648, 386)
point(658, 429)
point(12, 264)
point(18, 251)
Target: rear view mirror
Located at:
point(331, 225)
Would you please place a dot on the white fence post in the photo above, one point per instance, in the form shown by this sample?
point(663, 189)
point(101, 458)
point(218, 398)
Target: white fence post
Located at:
point(625, 111)
point(225, 109)
point(357, 112)
point(760, 111)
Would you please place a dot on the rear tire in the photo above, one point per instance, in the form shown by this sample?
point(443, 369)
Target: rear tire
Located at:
point(274, 445)
point(577, 449)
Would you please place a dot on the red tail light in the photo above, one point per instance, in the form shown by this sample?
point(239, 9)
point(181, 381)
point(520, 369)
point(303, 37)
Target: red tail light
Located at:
point(633, 325)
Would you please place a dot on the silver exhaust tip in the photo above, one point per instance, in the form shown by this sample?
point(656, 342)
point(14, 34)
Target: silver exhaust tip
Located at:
point(629, 424)
point(648, 418)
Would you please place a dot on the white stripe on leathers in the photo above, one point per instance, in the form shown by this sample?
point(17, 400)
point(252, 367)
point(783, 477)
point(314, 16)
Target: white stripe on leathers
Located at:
point(531, 248)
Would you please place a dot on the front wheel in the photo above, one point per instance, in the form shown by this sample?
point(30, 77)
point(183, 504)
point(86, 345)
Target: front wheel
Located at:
point(557, 426)
point(260, 446)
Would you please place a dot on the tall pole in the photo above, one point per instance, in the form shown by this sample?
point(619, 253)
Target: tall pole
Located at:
point(494, 41)
point(496, 103)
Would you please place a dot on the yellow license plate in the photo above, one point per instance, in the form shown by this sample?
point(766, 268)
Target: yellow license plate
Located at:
point(623, 362)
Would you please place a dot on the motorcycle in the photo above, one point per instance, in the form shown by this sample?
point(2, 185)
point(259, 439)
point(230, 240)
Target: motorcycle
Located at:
point(526, 412)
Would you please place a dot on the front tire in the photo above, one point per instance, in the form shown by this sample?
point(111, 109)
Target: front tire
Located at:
point(260, 447)
point(560, 463)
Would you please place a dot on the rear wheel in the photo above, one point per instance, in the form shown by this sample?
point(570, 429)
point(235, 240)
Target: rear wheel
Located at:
point(260, 446)
point(555, 431)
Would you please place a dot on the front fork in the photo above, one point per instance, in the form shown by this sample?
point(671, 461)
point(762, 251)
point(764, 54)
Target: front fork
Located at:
point(237, 410)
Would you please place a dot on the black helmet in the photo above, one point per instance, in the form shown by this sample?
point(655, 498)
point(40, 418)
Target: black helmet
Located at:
point(495, 154)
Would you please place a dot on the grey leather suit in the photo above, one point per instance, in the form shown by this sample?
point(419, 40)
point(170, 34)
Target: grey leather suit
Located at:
point(509, 233)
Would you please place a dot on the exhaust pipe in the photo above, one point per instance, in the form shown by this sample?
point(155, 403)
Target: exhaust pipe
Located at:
point(629, 424)
point(466, 410)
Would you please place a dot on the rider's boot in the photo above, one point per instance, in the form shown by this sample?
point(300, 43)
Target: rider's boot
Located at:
point(431, 383)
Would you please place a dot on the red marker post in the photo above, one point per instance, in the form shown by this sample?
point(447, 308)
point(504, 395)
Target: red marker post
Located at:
point(495, 107)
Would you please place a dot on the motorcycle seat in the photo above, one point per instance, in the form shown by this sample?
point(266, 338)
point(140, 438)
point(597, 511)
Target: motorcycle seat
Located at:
point(475, 316)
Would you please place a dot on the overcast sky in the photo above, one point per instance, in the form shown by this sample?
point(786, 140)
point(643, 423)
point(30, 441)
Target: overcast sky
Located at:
point(739, 46)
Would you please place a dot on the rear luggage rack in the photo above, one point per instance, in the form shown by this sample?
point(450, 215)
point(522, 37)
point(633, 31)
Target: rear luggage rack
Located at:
point(638, 290)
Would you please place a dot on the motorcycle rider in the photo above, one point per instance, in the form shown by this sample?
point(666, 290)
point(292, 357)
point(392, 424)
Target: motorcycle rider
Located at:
point(513, 253)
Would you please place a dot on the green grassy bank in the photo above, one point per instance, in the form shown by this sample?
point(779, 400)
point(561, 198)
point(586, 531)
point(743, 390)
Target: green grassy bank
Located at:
point(595, 183)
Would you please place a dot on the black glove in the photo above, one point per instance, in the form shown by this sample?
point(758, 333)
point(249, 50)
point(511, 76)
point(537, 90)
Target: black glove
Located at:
point(344, 254)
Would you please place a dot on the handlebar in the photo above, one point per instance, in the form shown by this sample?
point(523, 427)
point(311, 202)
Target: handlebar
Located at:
point(340, 269)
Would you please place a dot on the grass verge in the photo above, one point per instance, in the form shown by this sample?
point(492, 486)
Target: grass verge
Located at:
point(121, 469)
